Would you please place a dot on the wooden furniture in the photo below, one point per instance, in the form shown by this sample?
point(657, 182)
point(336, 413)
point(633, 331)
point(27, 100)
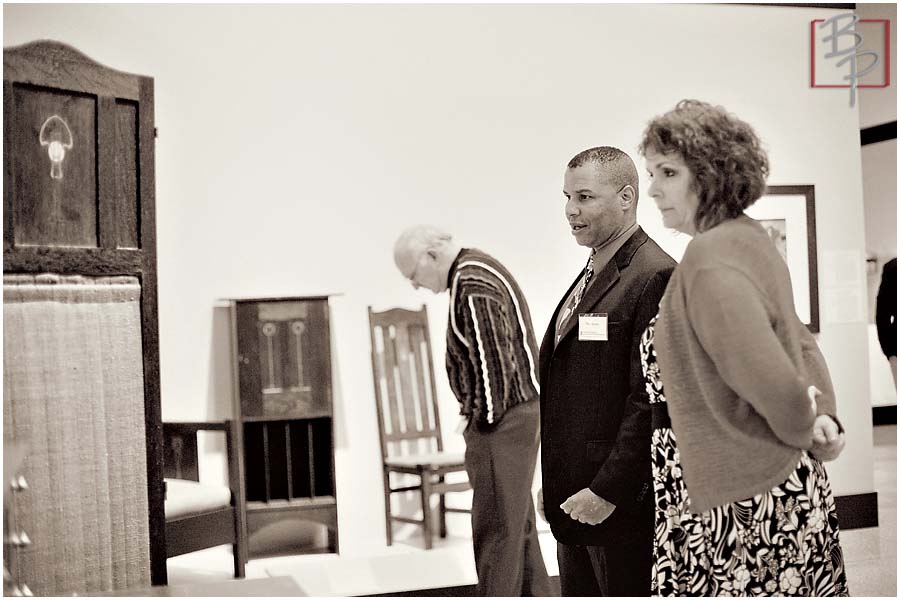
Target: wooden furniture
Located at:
point(408, 420)
point(282, 369)
point(14, 537)
point(198, 516)
point(78, 199)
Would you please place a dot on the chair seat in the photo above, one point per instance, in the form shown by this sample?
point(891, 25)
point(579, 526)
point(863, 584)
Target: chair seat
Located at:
point(184, 497)
point(433, 459)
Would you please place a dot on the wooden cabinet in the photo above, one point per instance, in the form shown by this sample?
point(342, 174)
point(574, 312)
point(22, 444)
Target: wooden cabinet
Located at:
point(283, 400)
point(81, 339)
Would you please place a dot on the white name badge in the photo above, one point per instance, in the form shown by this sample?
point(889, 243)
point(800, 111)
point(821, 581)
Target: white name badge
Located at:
point(592, 327)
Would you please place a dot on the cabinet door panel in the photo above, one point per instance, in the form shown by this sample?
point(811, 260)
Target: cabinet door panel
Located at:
point(319, 356)
point(249, 381)
point(283, 364)
point(55, 168)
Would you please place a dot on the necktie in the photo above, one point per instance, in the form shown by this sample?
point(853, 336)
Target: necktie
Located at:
point(588, 273)
point(576, 299)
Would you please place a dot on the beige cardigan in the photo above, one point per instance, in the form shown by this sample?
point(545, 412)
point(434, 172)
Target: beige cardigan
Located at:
point(736, 364)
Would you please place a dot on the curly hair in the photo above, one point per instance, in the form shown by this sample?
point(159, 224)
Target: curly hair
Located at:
point(722, 152)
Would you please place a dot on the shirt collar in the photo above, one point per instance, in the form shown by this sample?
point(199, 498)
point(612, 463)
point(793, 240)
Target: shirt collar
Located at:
point(454, 265)
point(604, 254)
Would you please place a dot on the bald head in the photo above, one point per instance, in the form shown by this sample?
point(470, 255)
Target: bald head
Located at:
point(415, 241)
point(423, 254)
point(614, 166)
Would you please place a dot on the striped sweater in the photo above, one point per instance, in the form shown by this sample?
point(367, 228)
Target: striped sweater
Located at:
point(491, 349)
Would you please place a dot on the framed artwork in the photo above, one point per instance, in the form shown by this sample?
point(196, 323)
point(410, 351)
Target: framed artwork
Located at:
point(788, 213)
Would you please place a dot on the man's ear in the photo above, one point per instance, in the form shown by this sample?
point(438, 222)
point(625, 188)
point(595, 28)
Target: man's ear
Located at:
point(627, 196)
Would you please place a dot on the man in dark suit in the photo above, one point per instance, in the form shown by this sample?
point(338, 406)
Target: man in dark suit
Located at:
point(597, 490)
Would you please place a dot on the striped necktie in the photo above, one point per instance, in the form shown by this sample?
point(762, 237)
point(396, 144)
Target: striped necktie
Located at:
point(576, 299)
point(588, 273)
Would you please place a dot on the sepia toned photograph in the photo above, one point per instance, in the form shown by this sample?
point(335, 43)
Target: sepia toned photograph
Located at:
point(449, 299)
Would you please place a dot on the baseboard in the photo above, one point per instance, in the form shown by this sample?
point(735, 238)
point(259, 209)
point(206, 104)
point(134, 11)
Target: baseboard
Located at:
point(884, 415)
point(458, 590)
point(857, 510)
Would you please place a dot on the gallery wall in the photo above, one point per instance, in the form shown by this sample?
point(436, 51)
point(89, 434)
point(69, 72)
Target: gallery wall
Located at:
point(296, 141)
point(877, 106)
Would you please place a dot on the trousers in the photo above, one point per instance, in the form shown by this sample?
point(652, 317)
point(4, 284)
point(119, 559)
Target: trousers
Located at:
point(620, 570)
point(500, 464)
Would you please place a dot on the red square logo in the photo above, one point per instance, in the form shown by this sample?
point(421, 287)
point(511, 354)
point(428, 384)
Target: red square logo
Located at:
point(846, 51)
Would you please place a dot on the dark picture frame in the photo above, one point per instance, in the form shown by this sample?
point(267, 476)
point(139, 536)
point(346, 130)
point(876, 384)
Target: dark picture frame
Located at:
point(789, 214)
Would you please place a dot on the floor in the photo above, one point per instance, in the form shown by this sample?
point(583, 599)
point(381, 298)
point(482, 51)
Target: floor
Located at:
point(870, 554)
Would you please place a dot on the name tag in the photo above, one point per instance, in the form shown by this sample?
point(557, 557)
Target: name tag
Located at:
point(592, 327)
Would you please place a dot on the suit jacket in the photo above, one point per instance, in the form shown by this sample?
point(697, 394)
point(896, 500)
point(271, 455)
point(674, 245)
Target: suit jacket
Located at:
point(595, 412)
point(886, 309)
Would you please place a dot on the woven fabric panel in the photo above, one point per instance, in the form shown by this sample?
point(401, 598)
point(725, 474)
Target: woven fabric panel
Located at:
point(74, 394)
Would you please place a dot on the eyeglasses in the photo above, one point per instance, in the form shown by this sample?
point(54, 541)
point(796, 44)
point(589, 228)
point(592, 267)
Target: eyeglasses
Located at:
point(412, 276)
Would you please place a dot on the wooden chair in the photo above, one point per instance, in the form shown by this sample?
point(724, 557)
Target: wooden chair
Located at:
point(199, 516)
point(408, 420)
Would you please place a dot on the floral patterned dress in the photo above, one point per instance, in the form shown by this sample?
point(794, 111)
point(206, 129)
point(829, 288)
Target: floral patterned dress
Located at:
point(783, 542)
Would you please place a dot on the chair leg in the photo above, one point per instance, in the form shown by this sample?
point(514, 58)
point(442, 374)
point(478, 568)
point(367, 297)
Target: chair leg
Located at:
point(442, 506)
point(426, 508)
point(239, 548)
point(388, 521)
point(239, 569)
point(333, 541)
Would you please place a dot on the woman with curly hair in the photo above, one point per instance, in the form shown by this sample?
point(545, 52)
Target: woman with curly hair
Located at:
point(743, 503)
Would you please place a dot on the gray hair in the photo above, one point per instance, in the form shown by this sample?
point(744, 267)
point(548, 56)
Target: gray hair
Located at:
point(418, 239)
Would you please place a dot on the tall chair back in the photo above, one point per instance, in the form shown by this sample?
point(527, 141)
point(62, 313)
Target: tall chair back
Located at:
point(408, 421)
point(408, 417)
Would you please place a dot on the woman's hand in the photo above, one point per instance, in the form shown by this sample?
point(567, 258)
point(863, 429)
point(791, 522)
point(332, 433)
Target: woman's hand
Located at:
point(828, 442)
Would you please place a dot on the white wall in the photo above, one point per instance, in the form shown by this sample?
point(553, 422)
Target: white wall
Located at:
point(296, 141)
point(879, 161)
point(879, 105)
point(879, 172)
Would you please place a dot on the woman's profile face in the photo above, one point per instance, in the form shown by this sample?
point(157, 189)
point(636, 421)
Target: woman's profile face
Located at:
point(672, 188)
